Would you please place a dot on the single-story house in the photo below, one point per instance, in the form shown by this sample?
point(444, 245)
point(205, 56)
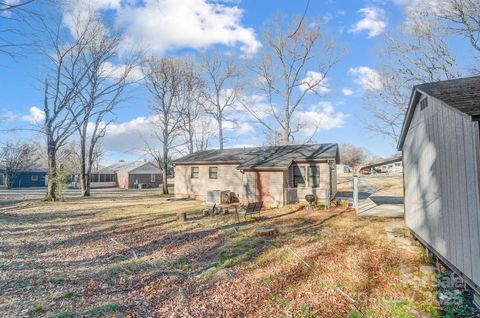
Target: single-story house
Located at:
point(392, 165)
point(275, 175)
point(125, 175)
point(28, 178)
point(440, 140)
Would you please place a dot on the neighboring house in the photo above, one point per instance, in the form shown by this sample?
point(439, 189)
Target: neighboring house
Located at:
point(392, 165)
point(341, 168)
point(440, 141)
point(125, 175)
point(276, 175)
point(29, 178)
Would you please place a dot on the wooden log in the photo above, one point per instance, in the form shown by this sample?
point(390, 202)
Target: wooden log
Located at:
point(181, 216)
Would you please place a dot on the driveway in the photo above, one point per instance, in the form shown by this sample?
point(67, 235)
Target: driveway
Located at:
point(374, 201)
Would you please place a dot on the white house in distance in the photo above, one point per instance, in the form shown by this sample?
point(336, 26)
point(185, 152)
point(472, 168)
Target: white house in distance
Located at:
point(440, 140)
point(275, 175)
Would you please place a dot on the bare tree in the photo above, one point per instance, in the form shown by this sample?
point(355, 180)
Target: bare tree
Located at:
point(417, 54)
point(463, 17)
point(189, 104)
point(102, 90)
point(163, 78)
point(353, 156)
point(14, 16)
point(16, 157)
point(65, 81)
point(295, 62)
point(222, 88)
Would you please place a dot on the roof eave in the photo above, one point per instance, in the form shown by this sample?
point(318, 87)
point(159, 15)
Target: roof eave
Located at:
point(408, 118)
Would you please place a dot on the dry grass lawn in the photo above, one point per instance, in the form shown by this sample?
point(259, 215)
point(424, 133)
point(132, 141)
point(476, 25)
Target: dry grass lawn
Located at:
point(128, 257)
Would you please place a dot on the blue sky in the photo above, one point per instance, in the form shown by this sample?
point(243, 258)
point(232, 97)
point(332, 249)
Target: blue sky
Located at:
point(359, 26)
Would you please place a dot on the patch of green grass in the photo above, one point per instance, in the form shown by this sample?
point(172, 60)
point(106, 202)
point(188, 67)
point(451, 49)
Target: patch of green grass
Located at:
point(38, 309)
point(103, 311)
point(239, 251)
point(66, 314)
point(306, 312)
point(68, 294)
point(354, 314)
point(401, 309)
point(280, 301)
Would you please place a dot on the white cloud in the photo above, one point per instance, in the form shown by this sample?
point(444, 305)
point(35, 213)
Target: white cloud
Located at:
point(319, 117)
point(34, 116)
point(373, 21)
point(118, 70)
point(162, 25)
point(368, 78)
point(347, 91)
point(312, 79)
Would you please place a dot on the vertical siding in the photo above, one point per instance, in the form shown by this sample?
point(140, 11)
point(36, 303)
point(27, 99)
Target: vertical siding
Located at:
point(276, 189)
point(441, 156)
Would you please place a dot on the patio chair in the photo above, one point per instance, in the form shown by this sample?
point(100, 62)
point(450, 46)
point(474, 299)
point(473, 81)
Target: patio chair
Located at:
point(249, 210)
point(258, 207)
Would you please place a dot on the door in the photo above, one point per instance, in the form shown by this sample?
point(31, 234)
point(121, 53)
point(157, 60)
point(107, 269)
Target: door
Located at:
point(262, 188)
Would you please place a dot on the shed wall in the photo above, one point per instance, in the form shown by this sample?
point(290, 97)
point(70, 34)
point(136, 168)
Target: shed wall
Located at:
point(441, 173)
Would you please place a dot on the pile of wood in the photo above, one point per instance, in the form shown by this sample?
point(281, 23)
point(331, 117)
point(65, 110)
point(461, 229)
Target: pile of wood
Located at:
point(215, 211)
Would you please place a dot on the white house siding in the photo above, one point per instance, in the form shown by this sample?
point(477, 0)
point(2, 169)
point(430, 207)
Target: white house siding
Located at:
point(441, 157)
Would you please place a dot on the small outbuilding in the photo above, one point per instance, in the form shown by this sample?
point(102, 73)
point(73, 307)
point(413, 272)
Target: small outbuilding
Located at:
point(440, 140)
point(275, 175)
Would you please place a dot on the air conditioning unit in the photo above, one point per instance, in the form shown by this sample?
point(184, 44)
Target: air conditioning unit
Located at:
point(218, 197)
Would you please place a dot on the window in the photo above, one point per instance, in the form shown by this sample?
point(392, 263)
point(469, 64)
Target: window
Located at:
point(94, 178)
point(298, 177)
point(213, 172)
point(194, 173)
point(152, 177)
point(423, 103)
point(103, 178)
point(313, 177)
point(34, 178)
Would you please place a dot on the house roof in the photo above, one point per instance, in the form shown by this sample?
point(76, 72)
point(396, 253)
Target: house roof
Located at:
point(123, 166)
point(384, 162)
point(461, 94)
point(257, 158)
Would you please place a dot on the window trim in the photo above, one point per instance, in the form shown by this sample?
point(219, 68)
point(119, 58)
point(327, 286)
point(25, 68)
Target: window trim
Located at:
point(194, 172)
point(152, 177)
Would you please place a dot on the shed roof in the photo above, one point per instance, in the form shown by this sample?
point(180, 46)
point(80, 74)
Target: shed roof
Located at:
point(271, 157)
point(462, 94)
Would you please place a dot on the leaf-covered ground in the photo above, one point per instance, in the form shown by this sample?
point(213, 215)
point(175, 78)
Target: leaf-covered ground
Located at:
point(126, 256)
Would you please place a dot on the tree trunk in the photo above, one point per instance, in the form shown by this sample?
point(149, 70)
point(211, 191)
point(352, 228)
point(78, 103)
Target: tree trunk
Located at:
point(165, 169)
point(52, 169)
point(286, 132)
point(83, 176)
point(220, 132)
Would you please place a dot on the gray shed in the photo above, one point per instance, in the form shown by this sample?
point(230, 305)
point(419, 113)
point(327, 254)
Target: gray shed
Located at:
point(440, 141)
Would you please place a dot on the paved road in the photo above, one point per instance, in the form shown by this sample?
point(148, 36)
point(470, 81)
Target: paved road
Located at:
point(375, 202)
